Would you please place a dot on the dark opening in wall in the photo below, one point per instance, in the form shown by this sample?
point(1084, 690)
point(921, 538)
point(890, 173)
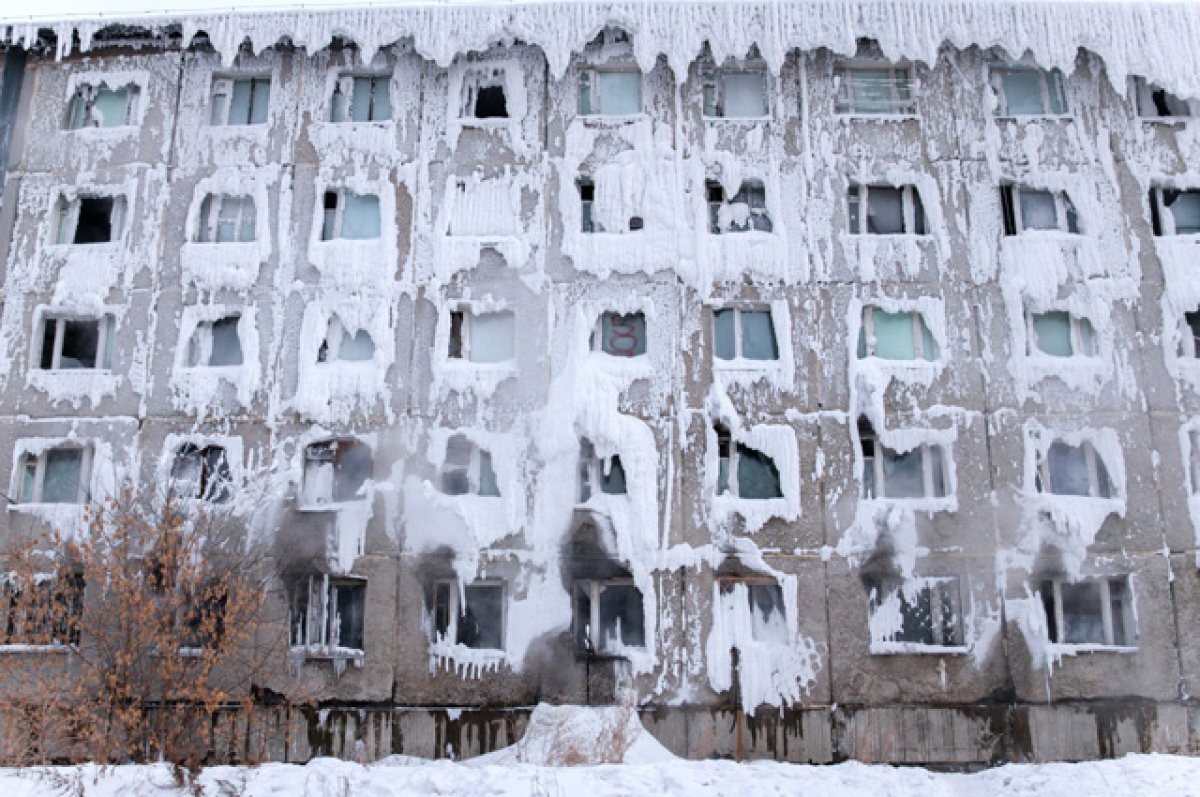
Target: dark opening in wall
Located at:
point(95, 220)
point(490, 103)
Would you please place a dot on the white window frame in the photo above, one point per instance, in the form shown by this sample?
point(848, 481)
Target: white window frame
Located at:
point(859, 194)
point(322, 637)
point(208, 226)
point(594, 587)
point(1092, 461)
point(83, 102)
point(1143, 102)
point(1106, 612)
point(105, 340)
point(883, 588)
point(454, 598)
point(589, 80)
point(1050, 81)
point(200, 343)
point(917, 323)
point(468, 314)
point(67, 219)
point(1082, 332)
point(713, 92)
point(739, 356)
point(221, 99)
point(1064, 208)
point(341, 102)
point(900, 83)
point(84, 491)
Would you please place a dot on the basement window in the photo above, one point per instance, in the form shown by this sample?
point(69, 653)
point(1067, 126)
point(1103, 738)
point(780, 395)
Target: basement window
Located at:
point(350, 216)
point(202, 472)
point(1028, 92)
point(226, 219)
point(215, 344)
point(483, 94)
point(735, 95)
point(1027, 209)
point(743, 472)
point(102, 106)
point(90, 220)
point(467, 469)
point(1153, 102)
point(46, 613)
point(336, 471)
point(361, 98)
point(768, 617)
point(1072, 470)
point(1189, 341)
point(744, 334)
point(607, 92)
point(341, 346)
point(920, 611)
point(885, 210)
point(69, 343)
point(917, 473)
point(1093, 612)
point(484, 338)
point(58, 475)
point(902, 335)
point(1175, 212)
point(746, 211)
point(882, 89)
point(1057, 333)
point(327, 614)
point(620, 334)
point(608, 617)
point(239, 101)
point(605, 472)
point(472, 617)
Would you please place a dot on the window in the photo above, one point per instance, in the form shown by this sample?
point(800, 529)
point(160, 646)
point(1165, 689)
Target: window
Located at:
point(90, 220)
point(77, 343)
point(45, 612)
point(350, 216)
point(902, 335)
point(1034, 209)
point(1175, 212)
point(587, 199)
point(1153, 102)
point(483, 94)
point(746, 211)
point(1057, 333)
point(744, 472)
point(361, 98)
point(608, 617)
point(202, 472)
point(467, 469)
point(340, 346)
point(620, 334)
point(1193, 443)
point(885, 210)
point(1094, 612)
point(56, 476)
point(874, 90)
point(1189, 342)
point(335, 471)
point(735, 95)
point(484, 338)
point(102, 106)
point(922, 611)
point(226, 219)
point(327, 613)
point(1073, 470)
point(607, 472)
point(473, 617)
point(744, 334)
point(1028, 92)
point(240, 101)
point(919, 472)
point(604, 92)
point(768, 618)
point(215, 344)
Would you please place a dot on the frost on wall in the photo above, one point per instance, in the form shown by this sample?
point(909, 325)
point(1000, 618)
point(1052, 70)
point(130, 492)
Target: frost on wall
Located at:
point(216, 361)
point(346, 346)
point(212, 264)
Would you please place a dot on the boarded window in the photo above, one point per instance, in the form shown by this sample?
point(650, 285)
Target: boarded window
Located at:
point(226, 219)
point(885, 210)
point(361, 98)
point(610, 93)
point(608, 617)
point(1094, 612)
point(901, 335)
point(473, 617)
point(741, 333)
point(202, 472)
point(77, 343)
point(1073, 470)
point(620, 334)
point(336, 471)
point(240, 101)
point(55, 476)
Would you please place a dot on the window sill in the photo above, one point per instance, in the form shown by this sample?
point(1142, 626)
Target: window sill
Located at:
point(1066, 649)
point(913, 364)
point(53, 647)
point(614, 120)
point(329, 506)
point(1034, 117)
point(491, 123)
point(916, 649)
point(892, 236)
point(326, 653)
point(744, 365)
point(738, 120)
point(40, 506)
point(1166, 121)
point(852, 116)
point(60, 372)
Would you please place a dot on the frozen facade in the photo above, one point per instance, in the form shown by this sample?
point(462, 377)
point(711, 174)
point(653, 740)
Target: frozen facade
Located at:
point(820, 378)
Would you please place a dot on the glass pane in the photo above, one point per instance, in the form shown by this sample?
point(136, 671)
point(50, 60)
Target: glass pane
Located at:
point(1068, 469)
point(745, 95)
point(77, 116)
point(620, 93)
point(937, 471)
point(79, 343)
point(893, 335)
point(758, 335)
point(226, 348)
point(872, 90)
point(1083, 614)
point(357, 347)
point(492, 337)
point(360, 218)
point(262, 98)
point(228, 219)
point(928, 347)
point(1053, 333)
point(247, 220)
point(621, 617)
point(360, 104)
point(1185, 210)
point(885, 210)
point(185, 470)
point(623, 335)
point(351, 469)
point(217, 486)
point(28, 478)
point(904, 474)
point(766, 613)
point(1023, 92)
point(111, 107)
point(917, 613)
point(613, 482)
point(239, 105)
point(60, 482)
point(1038, 211)
point(487, 476)
point(348, 625)
point(723, 334)
point(757, 475)
point(481, 623)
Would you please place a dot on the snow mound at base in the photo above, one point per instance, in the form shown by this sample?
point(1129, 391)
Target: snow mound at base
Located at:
point(580, 735)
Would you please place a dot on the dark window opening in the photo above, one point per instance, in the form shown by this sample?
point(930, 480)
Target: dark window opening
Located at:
point(587, 196)
point(1193, 323)
point(456, 335)
point(479, 619)
point(1006, 205)
point(743, 471)
point(45, 613)
point(929, 612)
point(95, 225)
point(490, 103)
point(336, 470)
point(203, 473)
point(608, 617)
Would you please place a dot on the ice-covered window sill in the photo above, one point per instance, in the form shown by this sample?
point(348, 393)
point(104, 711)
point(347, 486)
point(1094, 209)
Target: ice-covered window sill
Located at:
point(916, 503)
point(53, 647)
point(1057, 649)
point(467, 367)
point(330, 506)
point(746, 236)
point(889, 236)
point(326, 653)
point(106, 247)
point(1166, 121)
point(600, 120)
point(741, 121)
point(84, 133)
point(1034, 117)
point(878, 117)
point(916, 649)
point(491, 123)
point(900, 365)
point(42, 507)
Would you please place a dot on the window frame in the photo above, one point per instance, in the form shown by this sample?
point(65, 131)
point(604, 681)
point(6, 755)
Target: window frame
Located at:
point(346, 107)
point(1162, 219)
point(327, 642)
point(1051, 82)
point(739, 359)
point(214, 482)
point(726, 586)
point(478, 459)
point(900, 79)
point(462, 327)
point(83, 102)
point(314, 459)
point(1189, 335)
point(220, 99)
point(1144, 98)
point(597, 341)
point(66, 219)
point(1093, 461)
point(589, 81)
point(874, 480)
point(208, 224)
point(1081, 331)
point(759, 218)
point(62, 608)
point(868, 340)
point(452, 609)
point(199, 348)
point(591, 478)
point(1129, 624)
point(730, 451)
point(1065, 213)
point(476, 77)
point(882, 588)
point(912, 208)
point(592, 647)
point(713, 92)
point(331, 229)
point(106, 325)
point(37, 489)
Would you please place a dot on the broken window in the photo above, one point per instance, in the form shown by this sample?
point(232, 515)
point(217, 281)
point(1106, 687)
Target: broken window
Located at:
point(483, 94)
point(215, 344)
point(884, 89)
point(102, 106)
point(77, 343)
point(45, 612)
point(735, 95)
point(768, 617)
point(606, 92)
point(620, 334)
point(202, 472)
point(921, 611)
point(1189, 342)
point(902, 335)
point(1175, 212)
point(335, 471)
point(1092, 612)
point(1028, 92)
point(482, 337)
point(885, 210)
point(239, 101)
point(226, 219)
point(341, 346)
point(746, 211)
point(90, 220)
point(608, 617)
point(350, 216)
point(919, 472)
point(1034, 209)
point(607, 472)
point(1073, 470)
point(587, 199)
point(361, 98)
point(744, 472)
point(741, 333)
point(327, 613)
point(467, 469)
point(473, 617)
point(56, 476)
point(1153, 102)
point(1058, 333)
